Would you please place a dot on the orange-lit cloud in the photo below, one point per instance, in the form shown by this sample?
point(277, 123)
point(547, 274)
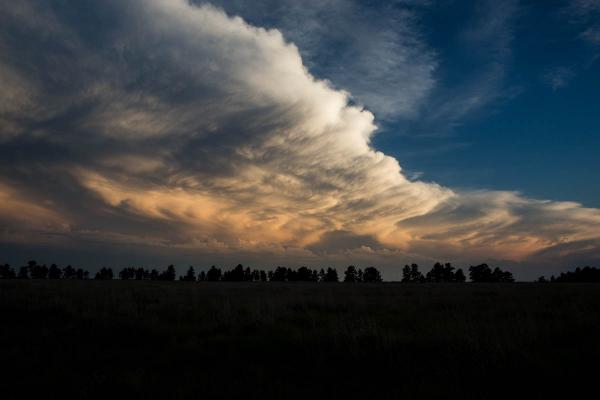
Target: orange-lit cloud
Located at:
point(25, 218)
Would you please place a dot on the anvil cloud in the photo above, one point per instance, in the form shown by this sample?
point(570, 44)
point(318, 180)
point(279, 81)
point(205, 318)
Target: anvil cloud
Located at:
point(161, 123)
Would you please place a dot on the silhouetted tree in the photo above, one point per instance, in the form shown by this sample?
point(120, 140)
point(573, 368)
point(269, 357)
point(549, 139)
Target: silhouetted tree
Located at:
point(42, 272)
point(351, 275)
point(81, 274)
point(279, 275)
point(483, 273)
point(54, 272)
point(585, 274)
point(213, 274)
point(291, 275)
point(448, 273)
point(459, 276)
point(331, 275)
point(480, 273)
point(255, 275)
point(31, 267)
point(23, 273)
point(441, 273)
point(372, 275)
point(415, 274)
point(235, 275)
point(168, 275)
point(6, 272)
point(304, 274)
point(190, 275)
point(406, 274)
point(154, 275)
point(140, 274)
point(542, 279)
point(127, 273)
point(105, 274)
point(435, 274)
point(69, 272)
point(37, 271)
point(411, 274)
point(502, 276)
point(321, 275)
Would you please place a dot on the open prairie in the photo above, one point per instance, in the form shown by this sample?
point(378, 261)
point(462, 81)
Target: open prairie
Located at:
point(252, 340)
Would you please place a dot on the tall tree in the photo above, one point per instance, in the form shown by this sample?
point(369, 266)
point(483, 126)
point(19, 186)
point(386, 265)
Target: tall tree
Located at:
point(69, 272)
point(280, 274)
point(169, 274)
point(255, 275)
point(81, 274)
point(415, 274)
point(37, 271)
point(331, 275)
point(502, 276)
point(127, 273)
point(190, 275)
point(480, 273)
point(6, 272)
point(23, 273)
point(372, 275)
point(213, 274)
point(304, 274)
point(322, 275)
point(54, 272)
point(140, 274)
point(406, 275)
point(585, 274)
point(351, 275)
point(483, 273)
point(105, 274)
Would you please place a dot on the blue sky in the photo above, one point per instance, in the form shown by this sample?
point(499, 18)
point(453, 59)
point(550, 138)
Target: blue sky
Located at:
point(540, 131)
point(504, 94)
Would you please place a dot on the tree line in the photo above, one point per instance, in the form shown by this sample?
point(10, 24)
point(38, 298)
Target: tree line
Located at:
point(410, 274)
point(283, 274)
point(585, 274)
point(447, 273)
point(33, 270)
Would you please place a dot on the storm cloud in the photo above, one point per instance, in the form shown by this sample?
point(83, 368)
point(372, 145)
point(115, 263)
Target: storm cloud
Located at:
point(176, 126)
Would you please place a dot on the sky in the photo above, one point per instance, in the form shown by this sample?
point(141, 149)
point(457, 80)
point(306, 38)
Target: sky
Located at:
point(319, 133)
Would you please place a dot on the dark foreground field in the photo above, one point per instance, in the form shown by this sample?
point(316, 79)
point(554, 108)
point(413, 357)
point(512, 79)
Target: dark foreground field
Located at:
point(225, 340)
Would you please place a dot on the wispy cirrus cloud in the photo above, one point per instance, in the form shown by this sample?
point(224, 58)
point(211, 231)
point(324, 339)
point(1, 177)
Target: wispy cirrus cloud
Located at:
point(480, 79)
point(586, 13)
point(376, 53)
point(204, 134)
point(559, 77)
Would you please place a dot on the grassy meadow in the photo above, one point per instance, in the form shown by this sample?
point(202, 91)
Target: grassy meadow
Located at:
point(91, 339)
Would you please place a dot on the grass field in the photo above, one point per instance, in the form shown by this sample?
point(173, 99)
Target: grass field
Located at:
point(260, 341)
